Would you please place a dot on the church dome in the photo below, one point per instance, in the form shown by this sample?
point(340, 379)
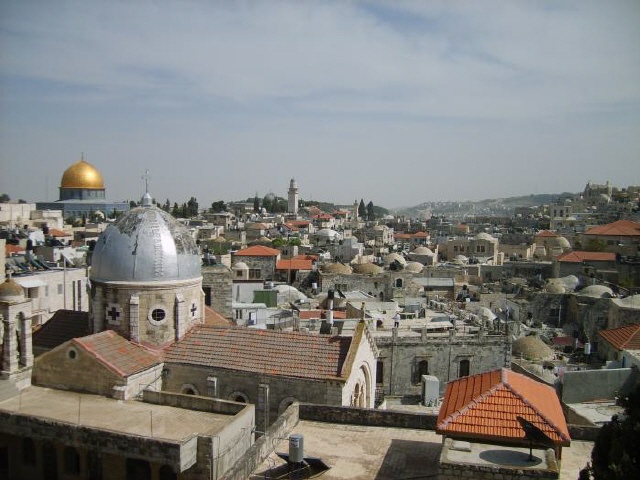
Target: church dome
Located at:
point(145, 245)
point(82, 175)
point(11, 291)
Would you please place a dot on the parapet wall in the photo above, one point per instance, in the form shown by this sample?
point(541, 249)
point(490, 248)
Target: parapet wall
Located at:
point(366, 416)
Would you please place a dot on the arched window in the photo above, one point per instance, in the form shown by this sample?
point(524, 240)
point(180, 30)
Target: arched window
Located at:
point(167, 473)
point(189, 389)
point(422, 368)
point(28, 452)
point(398, 283)
point(379, 371)
point(239, 397)
point(138, 469)
point(464, 368)
point(71, 461)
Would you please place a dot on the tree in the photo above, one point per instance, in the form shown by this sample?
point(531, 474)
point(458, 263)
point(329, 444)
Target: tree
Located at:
point(371, 215)
point(256, 203)
point(362, 210)
point(132, 204)
point(175, 211)
point(167, 206)
point(218, 206)
point(4, 198)
point(595, 245)
point(616, 451)
point(192, 207)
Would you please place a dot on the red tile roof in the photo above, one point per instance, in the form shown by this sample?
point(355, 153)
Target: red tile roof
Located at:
point(309, 314)
point(621, 228)
point(623, 338)
point(13, 249)
point(421, 235)
point(402, 236)
point(485, 407)
point(257, 251)
point(290, 354)
point(305, 257)
point(54, 232)
point(122, 357)
point(211, 317)
point(580, 256)
point(62, 327)
point(294, 264)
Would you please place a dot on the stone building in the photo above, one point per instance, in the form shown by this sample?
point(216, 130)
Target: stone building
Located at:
point(217, 285)
point(407, 355)
point(146, 280)
point(16, 360)
point(292, 197)
point(260, 260)
point(273, 369)
point(82, 193)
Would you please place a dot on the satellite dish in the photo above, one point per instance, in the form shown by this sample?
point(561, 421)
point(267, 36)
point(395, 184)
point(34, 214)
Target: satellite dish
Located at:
point(534, 435)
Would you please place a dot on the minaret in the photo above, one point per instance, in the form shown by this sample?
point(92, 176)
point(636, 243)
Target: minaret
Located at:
point(292, 204)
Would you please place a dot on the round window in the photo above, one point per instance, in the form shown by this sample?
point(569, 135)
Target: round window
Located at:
point(157, 314)
point(72, 354)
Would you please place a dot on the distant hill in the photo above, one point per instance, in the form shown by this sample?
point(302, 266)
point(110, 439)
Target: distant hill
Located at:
point(489, 206)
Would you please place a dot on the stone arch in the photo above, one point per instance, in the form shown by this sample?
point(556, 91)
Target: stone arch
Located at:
point(189, 389)
point(239, 397)
point(285, 403)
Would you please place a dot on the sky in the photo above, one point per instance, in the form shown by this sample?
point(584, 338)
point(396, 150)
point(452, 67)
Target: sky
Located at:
point(397, 102)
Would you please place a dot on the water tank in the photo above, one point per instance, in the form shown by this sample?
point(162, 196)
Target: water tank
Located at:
point(296, 448)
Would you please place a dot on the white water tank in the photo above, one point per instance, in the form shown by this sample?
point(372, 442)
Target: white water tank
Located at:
point(296, 448)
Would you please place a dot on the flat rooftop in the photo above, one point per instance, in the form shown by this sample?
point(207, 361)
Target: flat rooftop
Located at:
point(358, 452)
point(597, 413)
point(127, 417)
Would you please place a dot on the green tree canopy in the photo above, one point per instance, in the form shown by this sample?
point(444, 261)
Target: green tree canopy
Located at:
point(616, 451)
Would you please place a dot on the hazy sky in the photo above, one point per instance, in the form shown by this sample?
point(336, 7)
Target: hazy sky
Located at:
point(394, 102)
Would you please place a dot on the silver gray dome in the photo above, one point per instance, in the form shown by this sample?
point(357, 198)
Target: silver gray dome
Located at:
point(145, 244)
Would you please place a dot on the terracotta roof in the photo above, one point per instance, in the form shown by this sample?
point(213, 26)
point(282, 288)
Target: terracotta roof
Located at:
point(118, 354)
point(402, 236)
point(305, 257)
point(319, 313)
point(485, 407)
point(580, 256)
point(257, 251)
point(211, 317)
point(421, 235)
point(294, 264)
point(62, 327)
point(623, 338)
point(12, 249)
point(54, 232)
point(621, 228)
point(298, 223)
point(290, 354)
point(546, 233)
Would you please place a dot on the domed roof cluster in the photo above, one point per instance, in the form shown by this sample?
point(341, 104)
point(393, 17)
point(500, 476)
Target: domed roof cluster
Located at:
point(82, 175)
point(11, 291)
point(422, 251)
point(484, 236)
point(336, 268)
point(531, 348)
point(414, 267)
point(367, 268)
point(596, 291)
point(394, 257)
point(145, 244)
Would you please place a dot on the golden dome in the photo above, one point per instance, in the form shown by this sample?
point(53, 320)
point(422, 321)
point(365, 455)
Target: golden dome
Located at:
point(82, 175)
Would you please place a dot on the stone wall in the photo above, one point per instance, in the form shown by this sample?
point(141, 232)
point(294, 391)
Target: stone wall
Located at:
point(401, 355)
point(589, 385)
point(264, 445)
point(270, 394)
point(367, 416)
point(218, 281)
